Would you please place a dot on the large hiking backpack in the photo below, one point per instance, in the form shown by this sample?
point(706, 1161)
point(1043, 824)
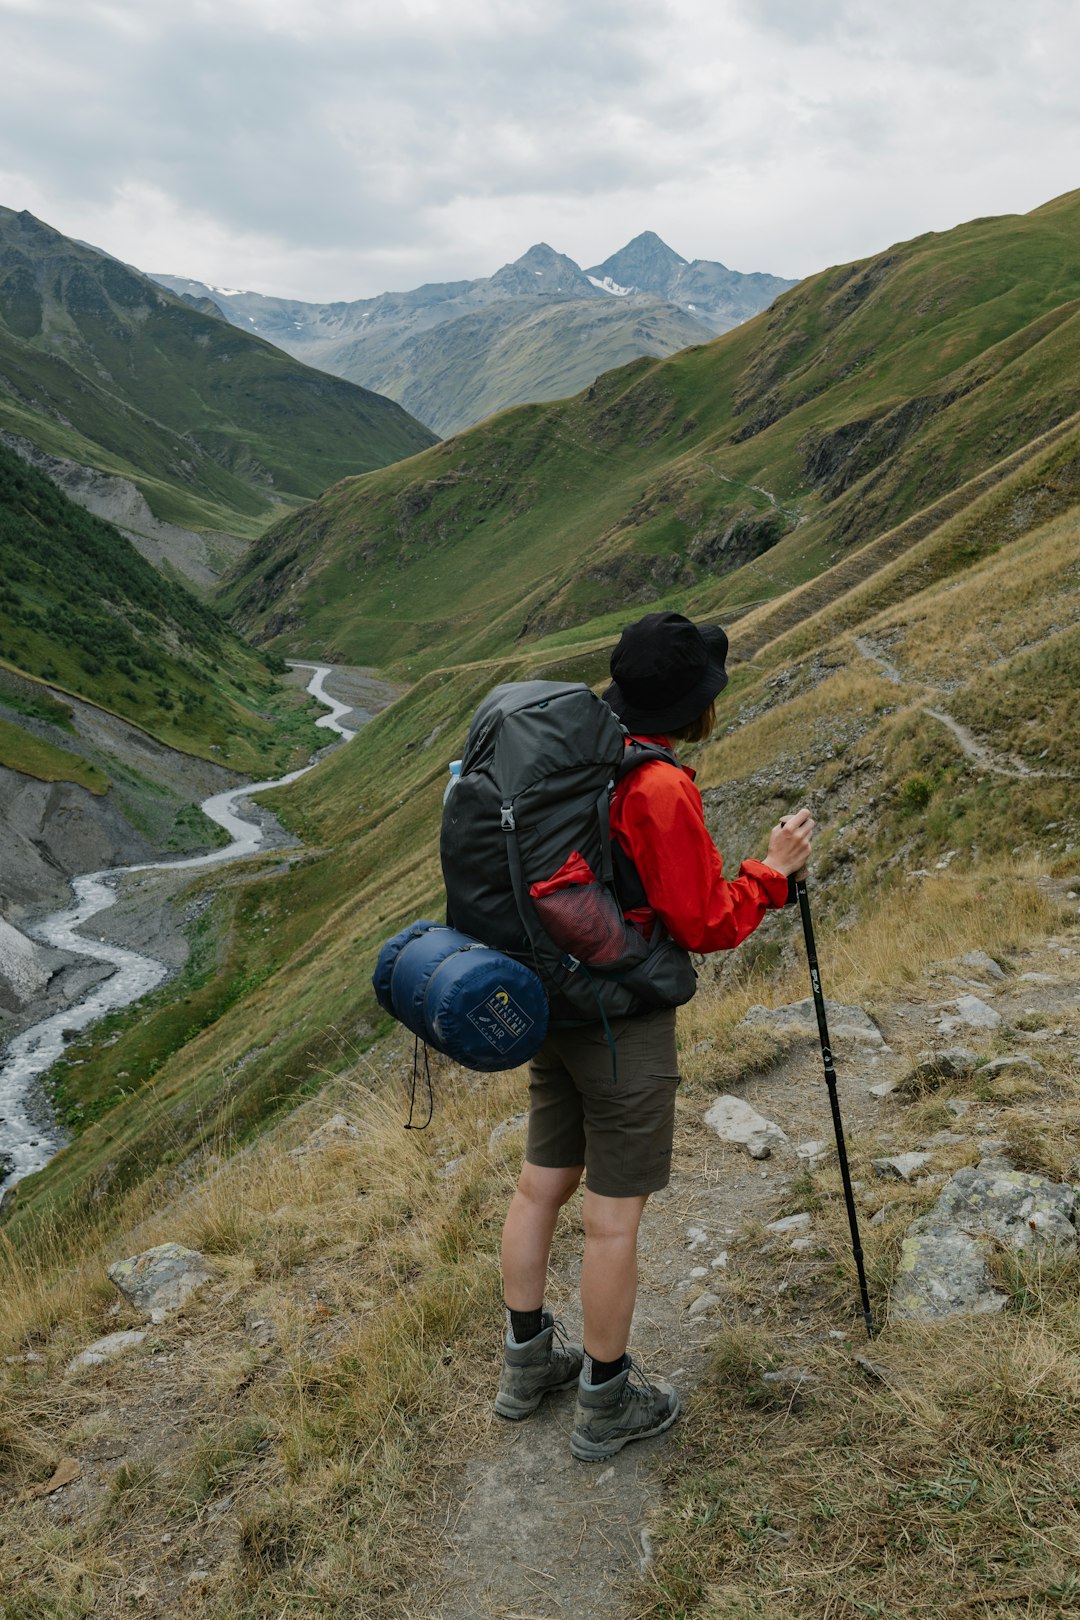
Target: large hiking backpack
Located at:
point(527, 852)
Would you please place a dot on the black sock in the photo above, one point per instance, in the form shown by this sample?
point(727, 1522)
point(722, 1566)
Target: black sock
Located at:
point(600, 1371)
point(525, 1325)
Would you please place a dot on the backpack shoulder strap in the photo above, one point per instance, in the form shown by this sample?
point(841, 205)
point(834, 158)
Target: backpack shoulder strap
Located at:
point(638, 753)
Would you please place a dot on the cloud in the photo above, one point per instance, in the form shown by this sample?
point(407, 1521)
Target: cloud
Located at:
point(333, 148)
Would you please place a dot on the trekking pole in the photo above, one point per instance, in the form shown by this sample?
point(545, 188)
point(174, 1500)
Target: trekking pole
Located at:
point(834, 1101)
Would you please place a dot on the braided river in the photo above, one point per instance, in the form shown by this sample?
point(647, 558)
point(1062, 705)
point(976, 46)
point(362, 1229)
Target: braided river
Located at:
point(28, 1138)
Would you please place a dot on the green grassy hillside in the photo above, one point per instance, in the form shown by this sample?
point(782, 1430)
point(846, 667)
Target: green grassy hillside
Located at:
point(216, 428)
point(82, 611)
point(328, 1396)
point(980, 619)
point(720, 477)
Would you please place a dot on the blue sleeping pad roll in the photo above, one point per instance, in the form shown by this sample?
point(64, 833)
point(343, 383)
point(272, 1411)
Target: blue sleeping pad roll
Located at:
point(388, 955)
point(469, 1001)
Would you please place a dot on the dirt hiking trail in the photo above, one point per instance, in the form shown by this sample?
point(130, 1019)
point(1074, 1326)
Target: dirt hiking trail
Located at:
point(532, 1534)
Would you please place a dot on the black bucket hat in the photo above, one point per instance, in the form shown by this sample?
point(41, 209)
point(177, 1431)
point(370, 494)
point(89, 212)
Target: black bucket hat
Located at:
point(666, 670)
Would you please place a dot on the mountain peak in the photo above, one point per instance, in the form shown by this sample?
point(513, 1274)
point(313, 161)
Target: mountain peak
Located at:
point(645, 264)
point(541, 271)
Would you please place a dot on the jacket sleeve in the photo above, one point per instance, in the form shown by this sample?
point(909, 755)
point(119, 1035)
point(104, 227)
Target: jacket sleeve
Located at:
point(659, 821)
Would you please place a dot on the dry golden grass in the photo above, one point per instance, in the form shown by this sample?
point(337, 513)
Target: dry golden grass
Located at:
point(377, 1271)
point(1008, 602)
point(946, 1480)
point(803, 727)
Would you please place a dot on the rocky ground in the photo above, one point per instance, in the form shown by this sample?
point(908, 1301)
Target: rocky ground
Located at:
point(532, 1533)
point(518, 1527)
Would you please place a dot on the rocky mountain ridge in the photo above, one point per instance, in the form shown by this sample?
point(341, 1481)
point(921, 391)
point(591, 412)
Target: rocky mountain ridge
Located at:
point(873, 400)
point(217, 430)
point(416, 346)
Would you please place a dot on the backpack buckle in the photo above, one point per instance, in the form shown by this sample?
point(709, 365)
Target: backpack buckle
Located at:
point(508, 822)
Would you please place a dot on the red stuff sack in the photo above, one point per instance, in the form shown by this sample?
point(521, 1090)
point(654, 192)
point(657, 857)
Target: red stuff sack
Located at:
point(582, 916)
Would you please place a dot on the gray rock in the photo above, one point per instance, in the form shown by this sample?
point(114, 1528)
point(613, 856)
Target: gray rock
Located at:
point(971, 1013)
point(933, 1068)
point(703, 1304)
point(509, 1127)
point(884, 1088)
point(735, 1121)
point(102, 1350)
point(815, 1154)
point(790, 1223)
point(945, 1139)
point(1039, 978)
point(1015, 1060)
point(845, 1023)
point(943, 1264)
point(902, 1166)
point(958, 1107)
point(982, 963)
point(261, 1331)
point(161, 1280)
point(993, 1155)
point(73, 983)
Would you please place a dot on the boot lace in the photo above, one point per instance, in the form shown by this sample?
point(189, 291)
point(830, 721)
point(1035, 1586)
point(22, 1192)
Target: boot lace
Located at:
point(637, 1386)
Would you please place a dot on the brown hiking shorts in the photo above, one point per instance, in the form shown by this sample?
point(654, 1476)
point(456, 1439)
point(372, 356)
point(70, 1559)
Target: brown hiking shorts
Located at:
point(618, 1125)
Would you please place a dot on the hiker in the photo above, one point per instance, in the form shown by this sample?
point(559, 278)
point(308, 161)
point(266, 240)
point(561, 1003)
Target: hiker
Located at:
point(666, 675)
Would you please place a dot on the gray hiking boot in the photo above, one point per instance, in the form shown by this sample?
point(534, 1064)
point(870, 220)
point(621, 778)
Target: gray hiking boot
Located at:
point(626, 1408)
point(533, 1369)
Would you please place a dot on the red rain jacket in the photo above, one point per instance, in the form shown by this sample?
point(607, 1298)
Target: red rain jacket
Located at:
point(658, 820)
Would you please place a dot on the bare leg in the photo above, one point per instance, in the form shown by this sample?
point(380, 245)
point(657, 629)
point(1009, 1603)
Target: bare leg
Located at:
point(529, 1229)
point(609, 1272)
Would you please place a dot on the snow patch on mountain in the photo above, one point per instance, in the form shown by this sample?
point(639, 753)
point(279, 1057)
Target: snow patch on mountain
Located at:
point(607, 285)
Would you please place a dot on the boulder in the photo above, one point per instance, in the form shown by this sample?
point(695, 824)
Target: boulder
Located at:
point(982, 962)
point(735, 1121)
point(971, 1013)
point(943, 1265)
point(790, 1224)
point(845, 1023)
point(160, 1280)
point(932, 1069)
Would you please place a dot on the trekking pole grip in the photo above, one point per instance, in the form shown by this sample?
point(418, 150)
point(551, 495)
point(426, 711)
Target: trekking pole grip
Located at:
point(834, 1101)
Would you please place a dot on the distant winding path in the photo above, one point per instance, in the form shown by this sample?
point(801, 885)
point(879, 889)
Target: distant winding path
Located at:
point(970, 746)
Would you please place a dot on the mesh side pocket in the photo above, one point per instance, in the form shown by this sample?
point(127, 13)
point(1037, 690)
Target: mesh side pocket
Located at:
point(584, 920)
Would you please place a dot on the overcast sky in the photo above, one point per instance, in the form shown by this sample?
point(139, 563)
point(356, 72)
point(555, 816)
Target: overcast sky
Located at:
point(337, 148)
